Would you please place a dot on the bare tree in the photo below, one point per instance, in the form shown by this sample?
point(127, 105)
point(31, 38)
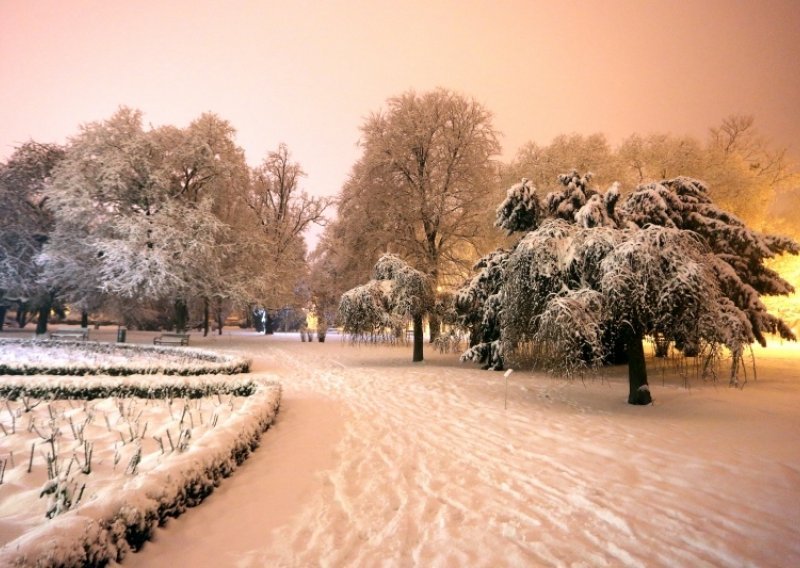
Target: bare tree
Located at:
point(283, 212)
point(422, 188)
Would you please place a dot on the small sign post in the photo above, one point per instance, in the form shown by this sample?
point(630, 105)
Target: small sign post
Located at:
point(505, 396)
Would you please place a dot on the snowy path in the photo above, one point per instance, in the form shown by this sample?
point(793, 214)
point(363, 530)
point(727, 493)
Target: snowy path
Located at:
point(375, 461)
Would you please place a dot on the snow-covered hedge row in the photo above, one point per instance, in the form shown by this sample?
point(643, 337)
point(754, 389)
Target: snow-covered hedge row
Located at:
point(141, 386)
point(107, 528)
point(95, 358)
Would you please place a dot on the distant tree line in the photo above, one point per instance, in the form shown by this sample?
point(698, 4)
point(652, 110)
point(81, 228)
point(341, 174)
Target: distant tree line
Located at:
point(158, 227)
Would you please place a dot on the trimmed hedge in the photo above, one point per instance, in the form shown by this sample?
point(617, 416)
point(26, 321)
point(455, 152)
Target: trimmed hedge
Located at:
point(106, 529)
point(185, 361)
point(143, 386)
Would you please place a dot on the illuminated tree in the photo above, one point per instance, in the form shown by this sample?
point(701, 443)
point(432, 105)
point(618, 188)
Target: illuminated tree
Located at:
point(397, 293)
point(420, 188)
point(595, 270)
point(283, 212)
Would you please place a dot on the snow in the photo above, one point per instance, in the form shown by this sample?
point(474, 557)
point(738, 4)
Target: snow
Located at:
point(375, 460)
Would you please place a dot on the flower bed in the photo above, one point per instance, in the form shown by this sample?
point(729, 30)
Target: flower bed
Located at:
point(122, 516)
point(42, 357)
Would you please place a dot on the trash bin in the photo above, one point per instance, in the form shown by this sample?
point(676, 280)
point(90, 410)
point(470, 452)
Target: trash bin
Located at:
point(121, 333)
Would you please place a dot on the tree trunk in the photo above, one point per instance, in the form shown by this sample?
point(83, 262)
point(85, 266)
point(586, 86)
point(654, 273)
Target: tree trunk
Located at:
point(639, 392)
point(84, 319)
point(474, 336)
point(662, 345)
point(181, 315)
point(22, 314)
point(418, 338)
point(218, 316)
point(268, 324)
point(435, 326)
point(3, 310)
point(44, 314)
point(206, 317)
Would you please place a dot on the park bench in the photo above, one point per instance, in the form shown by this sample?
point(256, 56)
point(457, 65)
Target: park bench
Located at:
point(171, 339)
point(81, 334)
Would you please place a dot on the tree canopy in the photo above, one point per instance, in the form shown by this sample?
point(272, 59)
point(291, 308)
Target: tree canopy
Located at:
point(25, 226)
point(126, 216)
point(594, 269)
point(420, 187)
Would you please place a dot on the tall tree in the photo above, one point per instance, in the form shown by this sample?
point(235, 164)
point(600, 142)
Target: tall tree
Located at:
point(205, 164)
point(743, 170)
point(433, 154)
point(25, 226)
point(115, 193)
point(543, 164)
point(648, 158)
point(420, 188)
point(283, 212)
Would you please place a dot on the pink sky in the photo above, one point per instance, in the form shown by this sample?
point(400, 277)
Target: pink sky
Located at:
point(307, 73)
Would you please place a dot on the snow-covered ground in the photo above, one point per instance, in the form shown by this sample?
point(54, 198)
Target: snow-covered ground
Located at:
point(377, 461)
point(114, 440)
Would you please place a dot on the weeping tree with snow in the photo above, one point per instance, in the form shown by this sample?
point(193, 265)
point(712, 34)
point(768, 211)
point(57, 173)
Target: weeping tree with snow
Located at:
point(740, 254)
point(397, 293)
point(596, 270)
point(478, 306)
point(567, 287)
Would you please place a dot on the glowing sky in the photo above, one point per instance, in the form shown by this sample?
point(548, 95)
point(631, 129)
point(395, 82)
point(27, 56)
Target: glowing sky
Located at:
point(307, 73)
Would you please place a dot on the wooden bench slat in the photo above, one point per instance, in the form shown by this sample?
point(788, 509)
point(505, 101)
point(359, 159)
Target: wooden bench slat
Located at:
point(82, 334)
point(172, 339)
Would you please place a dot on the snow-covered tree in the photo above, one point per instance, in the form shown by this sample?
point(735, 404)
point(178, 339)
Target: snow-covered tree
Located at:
point(397, 293)
point(25, 226)
point(478, 305)
point(283, 211)
point(740, 253)
point(567, 287)
point(206, 165)
point(584, 248)
point(420, 188)
point(114, 195)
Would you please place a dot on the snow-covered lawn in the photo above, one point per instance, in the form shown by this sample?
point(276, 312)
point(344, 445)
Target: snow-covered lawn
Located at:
point(374, 460)
point(378, 461)
point(84, 478)
point(28, 356)
point(100, 445)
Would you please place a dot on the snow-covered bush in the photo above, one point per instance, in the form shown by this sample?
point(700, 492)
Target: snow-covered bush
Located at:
point(141, 386)
point(105, 529)
point(42, 357)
